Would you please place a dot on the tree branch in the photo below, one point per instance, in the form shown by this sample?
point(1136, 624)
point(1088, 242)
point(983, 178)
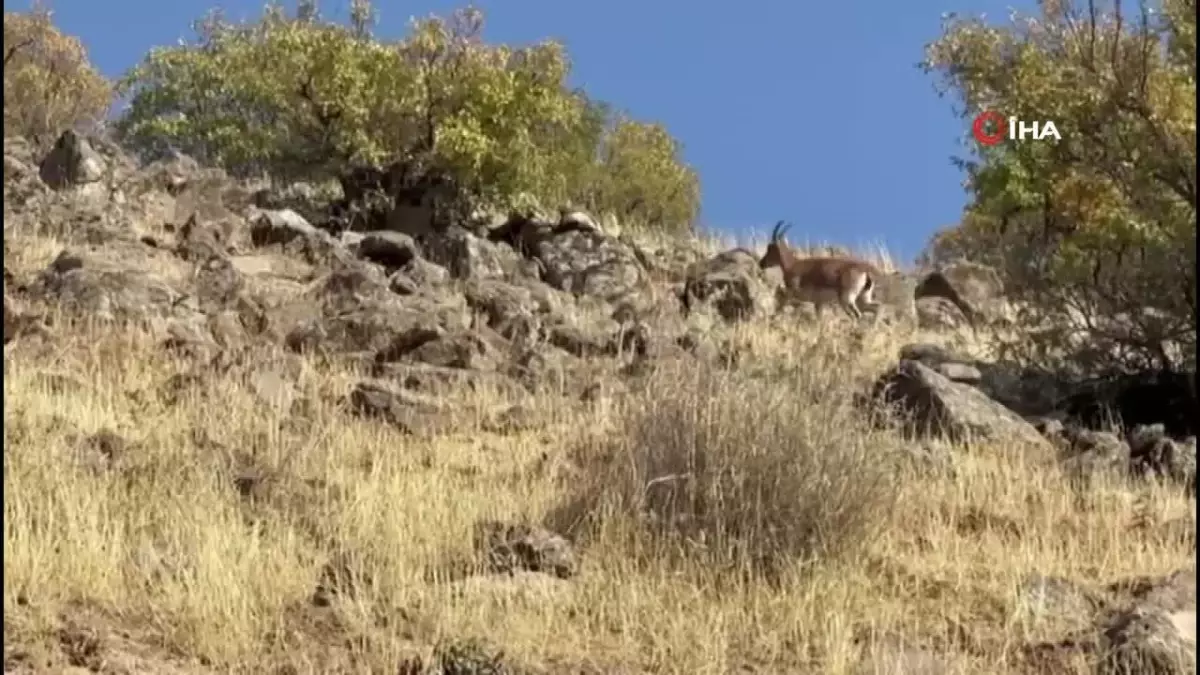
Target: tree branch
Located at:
point(12, 51)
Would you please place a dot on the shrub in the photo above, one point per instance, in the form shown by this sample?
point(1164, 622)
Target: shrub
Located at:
point(1096, 234)
point(498, 121)
point(735, 473)
point(641, 179)
point(49, 85)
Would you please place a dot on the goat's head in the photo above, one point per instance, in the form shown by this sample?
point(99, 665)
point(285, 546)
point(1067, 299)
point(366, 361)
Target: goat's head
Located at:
point(778, 253)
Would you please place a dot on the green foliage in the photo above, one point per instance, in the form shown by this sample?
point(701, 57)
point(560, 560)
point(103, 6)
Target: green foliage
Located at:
point(1096, 234)
point(641, 178)
point(49, 85)
point(302, 98)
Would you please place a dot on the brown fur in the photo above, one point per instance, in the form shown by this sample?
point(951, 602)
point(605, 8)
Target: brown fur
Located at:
point(848, 281)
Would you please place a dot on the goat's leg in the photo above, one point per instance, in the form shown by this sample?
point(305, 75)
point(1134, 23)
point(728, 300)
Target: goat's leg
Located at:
point(847, 301)
point(818, 311)
point(865, 302)
point(783, 300)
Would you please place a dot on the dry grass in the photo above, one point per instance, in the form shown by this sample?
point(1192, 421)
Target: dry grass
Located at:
point(738, 475)
point(799, 544)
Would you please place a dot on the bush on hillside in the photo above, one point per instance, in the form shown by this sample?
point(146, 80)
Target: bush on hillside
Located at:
point(1095, 234)
point(639, 177)
point(49, 85)
point(735, 473)
point(297, 97)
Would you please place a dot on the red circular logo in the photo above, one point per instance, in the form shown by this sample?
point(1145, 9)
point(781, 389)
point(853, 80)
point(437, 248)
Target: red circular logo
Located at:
point(999, 128)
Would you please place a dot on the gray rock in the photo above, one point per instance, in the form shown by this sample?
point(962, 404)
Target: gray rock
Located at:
point(72, 162)
point(935, 405)
point(950, 365)
point(281, 227)
point(115, 283)
point(960, 372)
point(405, 411)
point(391, 250)
point(467, 256)
point(1149, 641)
point(354, 310)
point(1058, 601)
point(509, 548)
point(578, 220)
point(586, 262)
point(1153, 453)
point(731, 283)
point(1091, 453)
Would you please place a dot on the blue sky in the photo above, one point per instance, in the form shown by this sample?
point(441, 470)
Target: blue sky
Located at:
point(811, 112)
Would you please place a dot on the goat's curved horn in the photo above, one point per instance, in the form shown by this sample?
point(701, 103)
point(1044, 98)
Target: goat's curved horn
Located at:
point(778, 231)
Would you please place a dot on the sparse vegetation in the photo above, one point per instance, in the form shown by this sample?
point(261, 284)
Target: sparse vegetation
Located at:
point(49, 85)
point(239, 440)
point(497, 120)
point(738, 476)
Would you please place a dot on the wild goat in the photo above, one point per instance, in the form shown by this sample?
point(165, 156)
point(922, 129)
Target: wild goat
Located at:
point(848, 281)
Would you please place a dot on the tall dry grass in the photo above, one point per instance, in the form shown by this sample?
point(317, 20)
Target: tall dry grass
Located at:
point(736, 474)
point(745, 521)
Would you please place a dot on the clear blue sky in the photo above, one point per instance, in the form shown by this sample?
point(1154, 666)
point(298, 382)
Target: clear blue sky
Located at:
point(813, 112)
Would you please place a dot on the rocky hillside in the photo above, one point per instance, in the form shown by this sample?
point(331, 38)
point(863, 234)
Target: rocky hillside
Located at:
point(244, 434)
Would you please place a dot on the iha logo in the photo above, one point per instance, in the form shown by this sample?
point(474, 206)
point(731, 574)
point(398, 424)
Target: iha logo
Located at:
point(990, 127)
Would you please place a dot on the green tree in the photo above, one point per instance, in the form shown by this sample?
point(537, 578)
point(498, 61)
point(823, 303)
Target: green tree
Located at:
point(498, 121)
point(49, 85)
point(320, 104)
point(1096, 233)
point(642, 178)
point(633, 170)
